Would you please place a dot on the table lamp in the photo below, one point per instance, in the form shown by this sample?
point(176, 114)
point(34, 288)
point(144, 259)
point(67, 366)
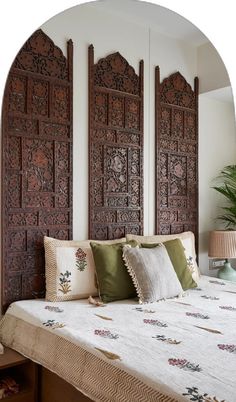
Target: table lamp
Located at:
point(222, 244)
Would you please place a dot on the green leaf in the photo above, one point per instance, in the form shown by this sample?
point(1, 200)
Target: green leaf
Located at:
point(227, 188)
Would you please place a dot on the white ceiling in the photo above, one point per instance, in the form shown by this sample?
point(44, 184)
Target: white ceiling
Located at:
point(155, 17)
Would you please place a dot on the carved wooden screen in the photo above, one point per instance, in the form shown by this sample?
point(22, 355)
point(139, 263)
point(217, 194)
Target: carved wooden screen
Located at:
point(176, 155)
point(115, 147)
point(37, 163)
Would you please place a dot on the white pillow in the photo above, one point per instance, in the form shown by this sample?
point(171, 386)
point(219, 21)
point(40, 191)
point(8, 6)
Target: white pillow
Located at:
point(188, 241)
point(152, 273)
point(70, 269)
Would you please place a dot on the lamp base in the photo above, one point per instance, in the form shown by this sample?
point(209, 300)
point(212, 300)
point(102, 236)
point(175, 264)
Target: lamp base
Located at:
point(227, 272)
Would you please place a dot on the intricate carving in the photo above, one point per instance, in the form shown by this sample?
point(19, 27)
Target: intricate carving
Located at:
point(100, 108)
point(132, 118)
point(104, 135)
point(55, 130)
point(116, 108)
point(116, 170)
point(23, 219)
point(165, 122)
point(20, 262)
point(176, 155)
point(115, 143)
point(62, 158)
point(128, 216)
point(177, 123)
point(40, 99)
point(40, 55)
point(178, 175)
point(17, 95)
point(12, 289)
point(23, 126)
point(114, 72)
point(190, 126)
point(38, 159)
point(14, 190)
point(135, 194)
point(14, 156)
point(59, 234)
point(17, 240)
point(37, 163)
point(175, 90)
point(35, 239)
point(60, 103)
point(37, 200)
point(54, 218)
point(127, 138)
point(63, 192)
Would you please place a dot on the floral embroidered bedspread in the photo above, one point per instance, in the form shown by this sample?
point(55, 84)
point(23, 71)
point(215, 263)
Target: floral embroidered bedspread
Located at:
point(185, 345)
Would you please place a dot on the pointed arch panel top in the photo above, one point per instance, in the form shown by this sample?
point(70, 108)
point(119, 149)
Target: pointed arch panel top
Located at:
point(114, 72)
point(175, 90)
point(40, 55)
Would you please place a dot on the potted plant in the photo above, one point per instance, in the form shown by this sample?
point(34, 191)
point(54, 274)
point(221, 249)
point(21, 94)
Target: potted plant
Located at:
point(228, 189)
point(222, 244)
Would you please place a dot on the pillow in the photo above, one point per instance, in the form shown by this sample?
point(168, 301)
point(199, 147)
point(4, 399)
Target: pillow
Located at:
point(188, 241)
point(152, 272)
point(70, 269)
point(177, 256)
point(113, 279)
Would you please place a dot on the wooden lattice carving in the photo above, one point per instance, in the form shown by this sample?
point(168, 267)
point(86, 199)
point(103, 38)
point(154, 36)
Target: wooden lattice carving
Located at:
point(115, 147)
point(37, 163)
point(176, 155)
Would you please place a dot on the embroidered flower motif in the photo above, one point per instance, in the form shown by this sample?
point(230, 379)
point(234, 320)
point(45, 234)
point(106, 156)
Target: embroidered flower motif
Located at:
point(166, 340)
point(54, 309)
point(230, 308)
point(81, 262)
point(105, 334)
point(217, 282)
point(198, 315)
point(53, 325)
point(155, 322)
point(210, 297)
point(228, 348)
point(65, 282)
point(190, 264)
point(196, 396)
point(143, 310)
point(184, 364)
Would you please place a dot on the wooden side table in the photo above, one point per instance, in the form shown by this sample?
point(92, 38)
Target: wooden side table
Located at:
point(24, 372)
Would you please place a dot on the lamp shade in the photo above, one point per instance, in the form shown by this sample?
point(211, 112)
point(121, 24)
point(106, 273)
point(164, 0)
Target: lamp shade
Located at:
point(222, 244)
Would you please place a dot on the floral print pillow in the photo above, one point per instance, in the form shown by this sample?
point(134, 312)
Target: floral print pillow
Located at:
point(70, 269)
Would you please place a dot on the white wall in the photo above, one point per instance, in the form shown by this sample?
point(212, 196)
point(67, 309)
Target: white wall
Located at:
point(217, 149)
point(109, 33)
point(211, 69)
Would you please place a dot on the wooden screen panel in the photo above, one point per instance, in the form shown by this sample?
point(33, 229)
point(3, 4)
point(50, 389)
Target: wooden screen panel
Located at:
point(115, 147)
point(37, 163)
point(176, 155)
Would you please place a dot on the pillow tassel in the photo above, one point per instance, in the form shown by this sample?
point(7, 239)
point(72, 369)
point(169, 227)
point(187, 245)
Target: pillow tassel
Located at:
point(95, 303)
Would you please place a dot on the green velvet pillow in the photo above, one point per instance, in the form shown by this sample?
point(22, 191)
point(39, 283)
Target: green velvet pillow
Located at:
point(175, 249)
point(113, 279)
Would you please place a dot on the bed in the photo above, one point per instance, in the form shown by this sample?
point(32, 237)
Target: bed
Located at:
point(175, 350)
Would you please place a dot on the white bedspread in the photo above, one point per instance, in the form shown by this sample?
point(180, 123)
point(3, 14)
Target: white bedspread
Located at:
point(184, 349)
